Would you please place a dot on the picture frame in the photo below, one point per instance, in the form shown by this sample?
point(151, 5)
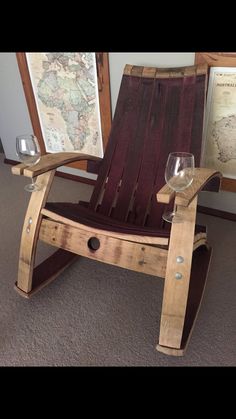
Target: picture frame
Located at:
point(103, 100)
point(221, 61)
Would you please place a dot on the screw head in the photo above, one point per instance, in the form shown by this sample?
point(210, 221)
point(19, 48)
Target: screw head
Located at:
point(178, 275)
point(179, 259)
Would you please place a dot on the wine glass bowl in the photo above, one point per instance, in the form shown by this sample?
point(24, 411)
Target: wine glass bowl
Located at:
point(29, 153)
point(179, 174)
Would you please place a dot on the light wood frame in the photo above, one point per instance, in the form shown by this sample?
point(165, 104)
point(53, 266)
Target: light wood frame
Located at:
point(102, 66)
point(219, 59)
point(156, 256)
point(181, 258)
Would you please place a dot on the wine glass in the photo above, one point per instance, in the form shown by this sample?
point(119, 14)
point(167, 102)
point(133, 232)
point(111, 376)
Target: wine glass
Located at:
point(28, 151)
point(179, 174)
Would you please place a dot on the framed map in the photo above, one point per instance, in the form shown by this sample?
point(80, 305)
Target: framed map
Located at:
point(68, 96)
point(220, 127)
point(220, 121)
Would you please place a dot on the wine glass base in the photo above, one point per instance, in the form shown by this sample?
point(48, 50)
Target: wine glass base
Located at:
point(32, 187)
point(172, 217)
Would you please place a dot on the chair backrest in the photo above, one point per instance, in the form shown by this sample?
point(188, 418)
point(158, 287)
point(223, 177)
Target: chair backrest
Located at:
point(158, 111)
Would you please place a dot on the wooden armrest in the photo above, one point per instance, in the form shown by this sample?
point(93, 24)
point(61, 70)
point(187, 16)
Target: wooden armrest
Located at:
point(201, 177)
point(50, 162)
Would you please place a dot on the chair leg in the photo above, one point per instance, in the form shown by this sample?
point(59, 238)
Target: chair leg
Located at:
point(176, 297)
point(30, 232)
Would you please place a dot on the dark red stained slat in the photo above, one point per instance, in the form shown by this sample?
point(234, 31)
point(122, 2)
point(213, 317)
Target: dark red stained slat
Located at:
point(179, 141)
point(117, 132)
point(151, 155)
point(167, 140)
point(182, 140)
point(200, 265)
point(197, 125)
point(187, 137)
point(48, 269)
point(135, 151)
point(129, 123)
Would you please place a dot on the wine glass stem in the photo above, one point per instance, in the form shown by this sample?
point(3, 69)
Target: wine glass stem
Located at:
point(33, 181)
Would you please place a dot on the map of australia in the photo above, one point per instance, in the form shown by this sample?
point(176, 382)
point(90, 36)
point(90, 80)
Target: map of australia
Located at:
point(65, 89)
point(224, 135)
point(220, 123)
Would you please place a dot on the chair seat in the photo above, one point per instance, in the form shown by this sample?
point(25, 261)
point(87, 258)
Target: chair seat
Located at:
point(81, 213)
point(84, 215)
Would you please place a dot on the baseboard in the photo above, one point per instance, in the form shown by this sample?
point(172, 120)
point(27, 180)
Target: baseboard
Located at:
point(216, 213)
point(80, 179)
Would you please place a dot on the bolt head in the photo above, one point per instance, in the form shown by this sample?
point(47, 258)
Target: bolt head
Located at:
point(179, 259)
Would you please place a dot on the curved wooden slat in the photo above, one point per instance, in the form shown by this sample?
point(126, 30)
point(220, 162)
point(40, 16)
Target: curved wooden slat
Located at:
point(200, 265)
point(201, 177)
point(130, 237)
point(50, 162)
point(152, 72)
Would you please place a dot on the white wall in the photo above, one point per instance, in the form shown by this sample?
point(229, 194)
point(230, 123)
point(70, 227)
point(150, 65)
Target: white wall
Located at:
point(14, 117)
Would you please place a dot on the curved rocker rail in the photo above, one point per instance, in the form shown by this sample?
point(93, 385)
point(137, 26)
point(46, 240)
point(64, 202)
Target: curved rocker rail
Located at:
point(199, 271)
point(187, 266)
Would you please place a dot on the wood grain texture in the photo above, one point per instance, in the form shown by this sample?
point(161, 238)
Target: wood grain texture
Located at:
point(216, 59)
point(18, 169)
point(152, 72)
point(176, 290)
point(130, 237)
point(123, 253)
point(30, 232)
point(200, 266)
point(228, 184)
point(201, 177)
point(51, 162)
point(103, 77)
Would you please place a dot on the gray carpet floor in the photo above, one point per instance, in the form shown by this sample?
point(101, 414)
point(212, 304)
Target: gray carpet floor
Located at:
point(100, 315)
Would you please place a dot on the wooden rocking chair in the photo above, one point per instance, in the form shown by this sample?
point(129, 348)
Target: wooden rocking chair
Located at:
point(158, 111)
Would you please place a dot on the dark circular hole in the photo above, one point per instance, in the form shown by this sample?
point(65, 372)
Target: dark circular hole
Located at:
point(93, 243)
